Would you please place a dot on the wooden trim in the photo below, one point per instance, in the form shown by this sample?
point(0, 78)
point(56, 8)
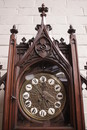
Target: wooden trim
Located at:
point(9, 83)
point(77, 85)
point(48, 128)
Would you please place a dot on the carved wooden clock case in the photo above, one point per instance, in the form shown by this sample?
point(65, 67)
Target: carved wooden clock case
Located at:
point(43, 89)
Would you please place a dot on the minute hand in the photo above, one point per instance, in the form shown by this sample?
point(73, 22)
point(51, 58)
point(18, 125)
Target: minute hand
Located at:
point(49, 97)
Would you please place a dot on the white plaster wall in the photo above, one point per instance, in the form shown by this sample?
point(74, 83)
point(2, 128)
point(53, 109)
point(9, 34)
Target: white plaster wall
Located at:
point(24, 14)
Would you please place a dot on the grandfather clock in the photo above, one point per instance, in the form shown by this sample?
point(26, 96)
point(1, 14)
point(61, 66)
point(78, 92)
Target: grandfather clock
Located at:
point(43, 89)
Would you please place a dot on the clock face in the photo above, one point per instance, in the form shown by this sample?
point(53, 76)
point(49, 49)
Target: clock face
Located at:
point(42, 97)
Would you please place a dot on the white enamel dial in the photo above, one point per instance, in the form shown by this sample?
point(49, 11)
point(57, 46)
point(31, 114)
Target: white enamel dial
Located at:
point(28, 103)
point(42, 113)
point(34, 81)
point(51, 111)
point(26, 95)
point(51, 81)
point(57, 104)
point(43, 79)
point(28, 87)
point(57, 87)
point(34, 110)
point(59, 96)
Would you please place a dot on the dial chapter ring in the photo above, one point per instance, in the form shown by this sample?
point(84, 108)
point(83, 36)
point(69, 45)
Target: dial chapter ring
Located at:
point(48, 87)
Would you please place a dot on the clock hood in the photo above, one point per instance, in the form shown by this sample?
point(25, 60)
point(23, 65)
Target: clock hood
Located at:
point(44, 47)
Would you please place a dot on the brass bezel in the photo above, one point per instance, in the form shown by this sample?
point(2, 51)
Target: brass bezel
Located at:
point(29, 114)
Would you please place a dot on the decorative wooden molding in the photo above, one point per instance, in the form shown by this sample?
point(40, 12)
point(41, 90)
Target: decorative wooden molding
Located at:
point(9, 81)
point(77, 81)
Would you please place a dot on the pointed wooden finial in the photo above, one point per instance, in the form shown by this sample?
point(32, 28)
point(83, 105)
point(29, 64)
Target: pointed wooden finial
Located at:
point(14, 30)
point(23, 40)
point(43, 10)
point(62, 41)
point(71, 30)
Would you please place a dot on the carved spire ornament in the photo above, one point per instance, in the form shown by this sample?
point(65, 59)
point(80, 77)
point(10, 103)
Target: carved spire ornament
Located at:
point(43, 89)
point(71, 30)
point(14, 30)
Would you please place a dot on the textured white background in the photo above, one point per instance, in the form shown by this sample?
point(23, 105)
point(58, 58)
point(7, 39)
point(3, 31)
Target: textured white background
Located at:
point(24, 14)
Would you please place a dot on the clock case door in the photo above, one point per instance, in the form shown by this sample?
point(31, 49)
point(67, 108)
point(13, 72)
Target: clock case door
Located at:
point(42, 54)
point(51, 72)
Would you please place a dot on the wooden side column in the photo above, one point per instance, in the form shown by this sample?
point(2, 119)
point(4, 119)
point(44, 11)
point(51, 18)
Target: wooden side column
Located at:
point(77, 82)
point(9, 81)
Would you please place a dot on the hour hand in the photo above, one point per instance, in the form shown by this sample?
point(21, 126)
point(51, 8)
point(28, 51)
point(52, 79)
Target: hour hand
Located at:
point(38, 90)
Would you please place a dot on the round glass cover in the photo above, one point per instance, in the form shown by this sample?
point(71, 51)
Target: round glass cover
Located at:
point(42, 97)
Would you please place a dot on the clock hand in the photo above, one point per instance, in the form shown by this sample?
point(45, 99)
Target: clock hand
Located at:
point(44, 100)
point(49, 97)
point(38, 90)
point(45, 103)
point(46, 96)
